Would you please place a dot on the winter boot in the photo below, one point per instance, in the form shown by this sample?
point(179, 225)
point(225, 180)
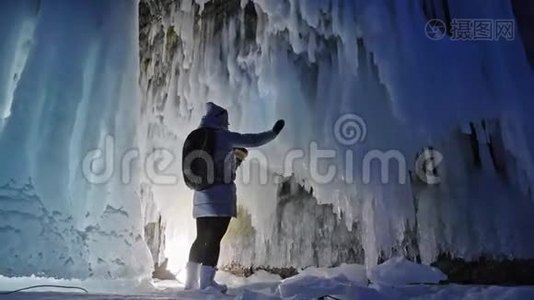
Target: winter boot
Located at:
point(207, 275)
point(191, 282)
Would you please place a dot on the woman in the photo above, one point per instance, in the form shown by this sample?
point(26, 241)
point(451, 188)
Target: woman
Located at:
point(215, 206)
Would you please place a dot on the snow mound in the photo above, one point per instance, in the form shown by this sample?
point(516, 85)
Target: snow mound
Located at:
point(311, 287)
point(347, 280)
point(353, 273)
point(257, 295)
point(400, 271)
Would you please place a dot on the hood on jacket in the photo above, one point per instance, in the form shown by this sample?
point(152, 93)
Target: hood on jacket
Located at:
point(216, 117)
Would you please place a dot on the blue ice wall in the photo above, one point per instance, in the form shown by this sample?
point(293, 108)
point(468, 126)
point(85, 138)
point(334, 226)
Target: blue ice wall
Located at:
point(68, 86)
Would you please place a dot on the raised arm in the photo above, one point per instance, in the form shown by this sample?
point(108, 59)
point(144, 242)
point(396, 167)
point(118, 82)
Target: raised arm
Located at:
point(248, 140)
point(255, 139)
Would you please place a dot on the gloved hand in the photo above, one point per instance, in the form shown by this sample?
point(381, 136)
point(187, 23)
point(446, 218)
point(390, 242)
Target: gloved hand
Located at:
point(240, 155)
point(279, 126)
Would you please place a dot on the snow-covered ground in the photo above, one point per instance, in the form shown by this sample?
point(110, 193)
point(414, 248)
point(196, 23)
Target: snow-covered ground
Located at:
point(394, 279)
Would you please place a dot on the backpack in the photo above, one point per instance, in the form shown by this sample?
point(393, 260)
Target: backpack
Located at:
point(198, 165)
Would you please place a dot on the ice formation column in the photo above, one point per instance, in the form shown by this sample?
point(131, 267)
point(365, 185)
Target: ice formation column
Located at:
point(68, 86)
point(315, 62)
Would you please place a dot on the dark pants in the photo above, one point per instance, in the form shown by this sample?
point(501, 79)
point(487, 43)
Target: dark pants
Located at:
point(210, 231)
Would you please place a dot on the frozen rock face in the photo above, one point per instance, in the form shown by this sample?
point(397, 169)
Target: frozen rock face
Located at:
point(302, 224)
point(68, 86)
point(155, 240)
point(312, 62)
point(305, 234)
